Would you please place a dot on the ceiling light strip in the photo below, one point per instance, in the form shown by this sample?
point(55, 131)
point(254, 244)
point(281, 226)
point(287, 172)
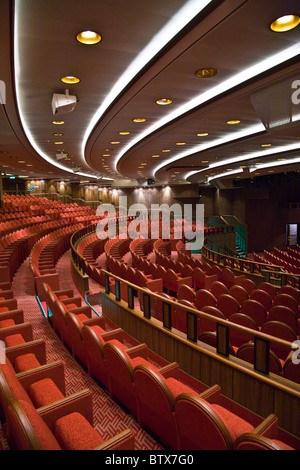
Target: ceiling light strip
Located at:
point(26, 129)
point(189, 11)
point(238, 79)
point(242, 158)
point(227, 173)
point(275, 163)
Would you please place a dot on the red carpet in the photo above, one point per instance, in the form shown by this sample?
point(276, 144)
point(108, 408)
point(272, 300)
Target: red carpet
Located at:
point(109, 417)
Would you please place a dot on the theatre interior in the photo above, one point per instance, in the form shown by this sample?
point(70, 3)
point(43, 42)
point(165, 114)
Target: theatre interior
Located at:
point(150, 225)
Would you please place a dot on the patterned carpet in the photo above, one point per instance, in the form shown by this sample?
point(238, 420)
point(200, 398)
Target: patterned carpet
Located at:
point(109, 417)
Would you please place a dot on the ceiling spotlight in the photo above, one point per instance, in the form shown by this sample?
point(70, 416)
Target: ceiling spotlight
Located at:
point(70, 79)
point(163, 101)
point(234, 121)
point(88, 37)
point(285, 23)
point(58, 122)
point(139, 119)
point(206, 73)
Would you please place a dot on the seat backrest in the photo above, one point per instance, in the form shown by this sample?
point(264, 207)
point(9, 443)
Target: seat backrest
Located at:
point(253, 441)
point(238, 337)
point(285, 315)
point(239, 293)
point(263, 297)
point(255, 310)
point(286, 300)
point(186, 293)
point(269, 288)
point(291, 368)
point(246, 283)
point(228, 305)
point(193, 415)
point(210, 325)
point(204, 298)
point(279, 330)
point(28, 429)
point(290, 290)
point(218, 288)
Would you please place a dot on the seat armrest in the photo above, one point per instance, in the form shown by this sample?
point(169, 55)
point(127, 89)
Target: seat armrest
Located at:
point(122, 441)
point(211, 393)
point(84, 309)
point(137, 351)
point(53, 370)
point(268, 427)
point(36, 347)
point(72, 300)
point(80, 402)
point(16, 315)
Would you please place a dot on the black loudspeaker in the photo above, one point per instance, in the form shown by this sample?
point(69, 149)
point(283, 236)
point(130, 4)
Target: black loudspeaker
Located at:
point(150, 181)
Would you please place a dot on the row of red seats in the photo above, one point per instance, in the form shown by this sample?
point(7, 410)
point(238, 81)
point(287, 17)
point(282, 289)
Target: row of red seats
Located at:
point(173, 405)
point(34, 391)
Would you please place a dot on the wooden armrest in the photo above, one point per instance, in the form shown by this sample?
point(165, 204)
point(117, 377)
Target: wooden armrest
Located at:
point(16, 315)
point(36, 347)
point(118, 334)
point(10, 303)
point(25, 329)
point(95, 321)
point(211, 393)
point(137, 350)
point(267, 427)
point(84, 309)
point(53, 370)
point(72, 300)
point(80, 402)
point(68, 292)
point(122, 441)
point(169, 369)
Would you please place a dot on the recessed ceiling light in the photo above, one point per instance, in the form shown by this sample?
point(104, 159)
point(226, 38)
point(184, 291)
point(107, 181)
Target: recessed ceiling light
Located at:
point(266, 145)
point(202, 134)
point(166, 150)
point(180, 143)
point(281, 159)
point(70, 79)
point(58, 122)
point(88, 37)
point(106, 155)
point(285, 23)
point(21, 161)
point(139, 120)
point(234, 121)
point(29, 164)
point(124, 133)
point(206, 73)
point(57, 134)
point(115, 142)
point(58, 143)
point(155, 156)
point(205, 161)
point(164, 101)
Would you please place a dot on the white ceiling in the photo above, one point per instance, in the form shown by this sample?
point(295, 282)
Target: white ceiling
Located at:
point(38, 47)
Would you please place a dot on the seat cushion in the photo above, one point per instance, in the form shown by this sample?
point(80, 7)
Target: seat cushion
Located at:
point(235, 425)
point(7, 323)
point(176, 387)
point(26, 362)
point(74, 432)
point(282, 444)
point(140, 360)
point(14, 340)
point(4, 309)
point(43, 392)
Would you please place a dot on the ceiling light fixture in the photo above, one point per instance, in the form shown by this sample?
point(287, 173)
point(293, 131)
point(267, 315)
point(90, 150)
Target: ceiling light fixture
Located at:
point(88, 37)
point(202, 134)
point(285, 23)
point(58, 123)
point(139, 120)
point(70, 80)
point(206, 73)
point(124, 132)
point(164, 101)
point(233, 122)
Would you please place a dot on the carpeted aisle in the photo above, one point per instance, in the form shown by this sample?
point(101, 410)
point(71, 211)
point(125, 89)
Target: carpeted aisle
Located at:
point(109, 417)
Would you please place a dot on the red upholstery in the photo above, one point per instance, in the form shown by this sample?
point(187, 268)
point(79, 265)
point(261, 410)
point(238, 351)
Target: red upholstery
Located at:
point(218, 288)
point(285, 315)
point(204, 298)
point(291, 369)
point(238, 337)
point(269, 288)
point(209, 325)
point(246, 353)
point(286, 300)
point(26, 362)
point(14, 340)
point(227, 304)
point(282, 331)
point(254, 310)
point(263, 297)
point(74, 432)
point(239, 293)
point(222, 426)
point(44, 392)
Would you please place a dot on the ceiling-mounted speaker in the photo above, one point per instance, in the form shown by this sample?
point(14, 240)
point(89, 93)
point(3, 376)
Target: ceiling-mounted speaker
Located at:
point(62, 104)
